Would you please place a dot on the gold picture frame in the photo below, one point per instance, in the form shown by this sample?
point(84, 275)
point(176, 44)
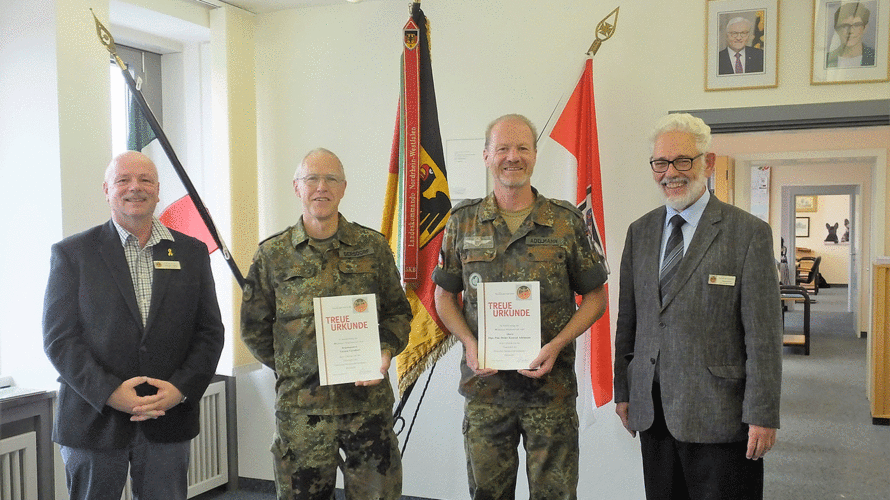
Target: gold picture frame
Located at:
point(869, 43)
point(759, 66)
point(806, 203)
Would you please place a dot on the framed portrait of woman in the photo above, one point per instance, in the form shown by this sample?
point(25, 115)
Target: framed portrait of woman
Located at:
point(851, 43)
point(742, 41)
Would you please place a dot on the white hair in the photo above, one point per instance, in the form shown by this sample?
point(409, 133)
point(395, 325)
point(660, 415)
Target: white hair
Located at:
point(684, 122)
point(740, 19)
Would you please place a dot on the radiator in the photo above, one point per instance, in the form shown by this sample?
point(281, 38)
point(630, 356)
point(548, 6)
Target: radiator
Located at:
point(18, 467)
point(209, 462)
point(208, 454)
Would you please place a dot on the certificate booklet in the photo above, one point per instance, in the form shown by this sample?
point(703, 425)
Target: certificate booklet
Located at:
point(348, 339)
point(509, 324)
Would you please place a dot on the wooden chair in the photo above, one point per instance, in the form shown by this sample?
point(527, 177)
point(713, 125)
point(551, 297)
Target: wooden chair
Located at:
point(798, 295)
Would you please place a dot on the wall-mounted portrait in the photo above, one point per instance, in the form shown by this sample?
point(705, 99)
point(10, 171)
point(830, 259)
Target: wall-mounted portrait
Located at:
point(850, 41)
point(742, 42)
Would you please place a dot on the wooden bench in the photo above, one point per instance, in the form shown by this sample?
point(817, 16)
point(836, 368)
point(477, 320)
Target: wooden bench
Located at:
point(793, 294)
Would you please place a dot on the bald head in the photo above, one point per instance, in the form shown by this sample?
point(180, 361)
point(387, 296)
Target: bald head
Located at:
point(131, 189)
point(316, 154)
point(127, 158)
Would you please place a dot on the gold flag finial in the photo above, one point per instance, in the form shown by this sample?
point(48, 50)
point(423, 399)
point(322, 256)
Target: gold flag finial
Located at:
point(606, 28)
point(107, 40)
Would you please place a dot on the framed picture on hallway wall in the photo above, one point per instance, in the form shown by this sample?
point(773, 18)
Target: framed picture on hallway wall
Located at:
point(802, 227)
point(741, 49)
point(851, 41)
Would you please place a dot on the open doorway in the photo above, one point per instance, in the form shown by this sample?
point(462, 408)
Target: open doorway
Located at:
point(811, 171)
point(825, 222)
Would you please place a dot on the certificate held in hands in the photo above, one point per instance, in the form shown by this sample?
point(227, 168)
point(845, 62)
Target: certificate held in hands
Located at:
point(509, 324)
point(348, 339)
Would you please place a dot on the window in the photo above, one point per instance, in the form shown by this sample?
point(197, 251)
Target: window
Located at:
point(144, 66)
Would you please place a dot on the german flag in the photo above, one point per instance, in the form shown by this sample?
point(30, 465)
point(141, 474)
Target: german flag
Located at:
point(417, 200)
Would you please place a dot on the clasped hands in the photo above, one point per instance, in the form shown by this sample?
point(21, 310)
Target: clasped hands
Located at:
point(125, 398)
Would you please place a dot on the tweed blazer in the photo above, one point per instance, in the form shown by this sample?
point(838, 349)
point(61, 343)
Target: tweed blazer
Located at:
point(93, 335)
point(716, 334)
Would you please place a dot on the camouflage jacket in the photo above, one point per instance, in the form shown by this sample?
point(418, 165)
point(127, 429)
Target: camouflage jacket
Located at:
point(278, 318)
point(550, 247)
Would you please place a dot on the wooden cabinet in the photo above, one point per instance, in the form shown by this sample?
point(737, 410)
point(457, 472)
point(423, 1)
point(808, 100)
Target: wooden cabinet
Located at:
point(724, 179)
point(879, 385)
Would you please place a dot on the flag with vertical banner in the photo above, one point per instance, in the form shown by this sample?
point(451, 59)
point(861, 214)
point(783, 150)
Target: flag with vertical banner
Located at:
point(417, 200)
point(570, 146)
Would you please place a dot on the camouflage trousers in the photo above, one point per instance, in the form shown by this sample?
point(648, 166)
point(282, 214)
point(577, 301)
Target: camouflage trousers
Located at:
point(550, 438)
point(306, 451)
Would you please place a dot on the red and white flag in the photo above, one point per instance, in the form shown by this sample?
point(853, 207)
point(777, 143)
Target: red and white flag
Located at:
point(569, 148)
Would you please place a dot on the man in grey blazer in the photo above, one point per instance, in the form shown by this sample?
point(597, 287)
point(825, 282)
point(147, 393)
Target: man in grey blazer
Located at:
point(131, 323)
point(698, 356)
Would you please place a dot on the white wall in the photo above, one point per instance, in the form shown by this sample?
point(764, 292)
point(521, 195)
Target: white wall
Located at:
point(328, 76)
point(52, 131)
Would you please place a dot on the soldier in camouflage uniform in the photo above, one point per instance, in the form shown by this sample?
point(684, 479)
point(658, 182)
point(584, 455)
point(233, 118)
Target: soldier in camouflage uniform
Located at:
point(515, 234)
point(325, 255)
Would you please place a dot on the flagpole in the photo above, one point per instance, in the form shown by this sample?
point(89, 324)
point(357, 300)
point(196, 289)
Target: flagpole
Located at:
point(108, 41)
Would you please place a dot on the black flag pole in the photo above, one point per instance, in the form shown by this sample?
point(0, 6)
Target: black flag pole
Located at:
point(108, 41)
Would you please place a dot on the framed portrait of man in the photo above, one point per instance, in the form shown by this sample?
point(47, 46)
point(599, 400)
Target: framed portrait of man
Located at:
point(742, 44)
point(851, 43)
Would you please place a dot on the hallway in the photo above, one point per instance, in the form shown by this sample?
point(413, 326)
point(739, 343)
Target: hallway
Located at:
point(827, 446)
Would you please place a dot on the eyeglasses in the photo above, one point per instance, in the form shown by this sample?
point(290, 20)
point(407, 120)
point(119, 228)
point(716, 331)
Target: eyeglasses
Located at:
point(850, 27)
point(681, 164)
point(738, 34)
point(314, 180)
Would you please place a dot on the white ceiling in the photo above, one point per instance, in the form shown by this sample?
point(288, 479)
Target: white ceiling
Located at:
point(266, 6)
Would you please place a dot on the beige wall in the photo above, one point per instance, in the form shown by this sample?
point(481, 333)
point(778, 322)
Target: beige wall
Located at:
point(235, 147)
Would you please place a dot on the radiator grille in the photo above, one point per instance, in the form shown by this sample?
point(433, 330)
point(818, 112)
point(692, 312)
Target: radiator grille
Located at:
point(208, 463)
point(18, 467)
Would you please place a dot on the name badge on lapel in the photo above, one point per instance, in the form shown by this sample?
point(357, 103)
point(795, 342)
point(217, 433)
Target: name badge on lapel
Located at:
point(720, 279)
point(167, 264)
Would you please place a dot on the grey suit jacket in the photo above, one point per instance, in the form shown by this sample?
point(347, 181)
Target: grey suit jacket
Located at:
point(716, 336)
point(93, 334)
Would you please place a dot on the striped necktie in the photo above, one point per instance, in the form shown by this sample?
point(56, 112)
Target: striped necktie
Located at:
point(673, 252)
